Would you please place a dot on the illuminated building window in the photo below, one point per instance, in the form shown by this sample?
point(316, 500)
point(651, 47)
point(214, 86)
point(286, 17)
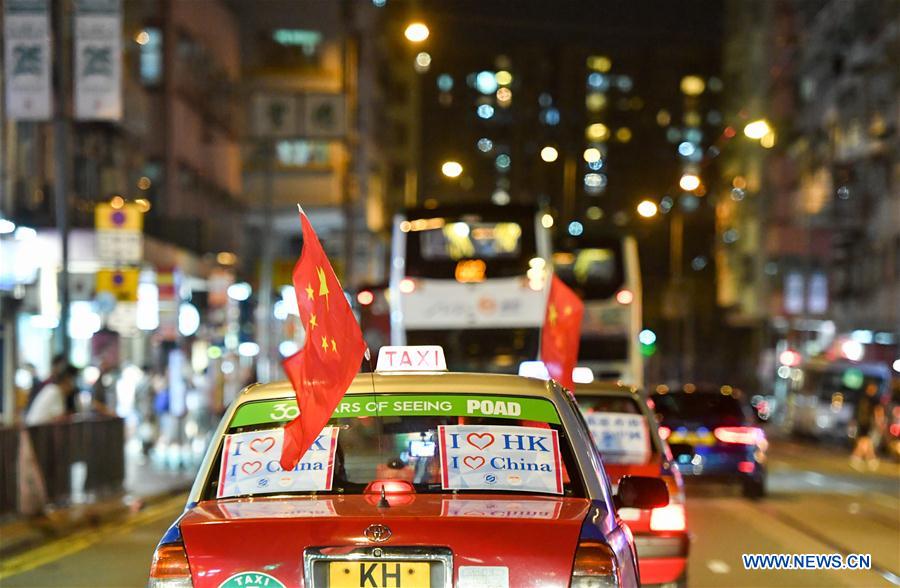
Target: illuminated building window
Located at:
point(151, 58)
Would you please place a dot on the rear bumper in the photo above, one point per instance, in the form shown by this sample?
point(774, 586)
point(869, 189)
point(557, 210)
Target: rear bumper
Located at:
point(723, 464)
point(662, 546)
point(662, 558)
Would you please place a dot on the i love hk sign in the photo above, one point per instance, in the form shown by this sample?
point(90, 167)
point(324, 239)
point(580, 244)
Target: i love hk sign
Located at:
point(250, 464)
point(493, 457)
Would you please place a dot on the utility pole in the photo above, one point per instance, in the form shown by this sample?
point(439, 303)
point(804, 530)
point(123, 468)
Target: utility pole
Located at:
point(61, 43)
point(264, 305)
point(676, 289)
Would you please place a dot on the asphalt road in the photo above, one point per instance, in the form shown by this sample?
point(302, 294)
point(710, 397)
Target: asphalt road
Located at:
point(817, 504)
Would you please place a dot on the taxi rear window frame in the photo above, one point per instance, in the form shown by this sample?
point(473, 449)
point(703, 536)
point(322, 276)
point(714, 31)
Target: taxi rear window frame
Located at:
point(656, 446)
point(577, 483)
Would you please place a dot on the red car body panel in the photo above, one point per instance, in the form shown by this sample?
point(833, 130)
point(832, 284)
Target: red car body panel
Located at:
point(654, 570)
point(535, 537)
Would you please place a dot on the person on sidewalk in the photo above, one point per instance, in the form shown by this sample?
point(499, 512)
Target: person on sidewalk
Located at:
point(868, 420)
point(52, 402)
point(56, 366)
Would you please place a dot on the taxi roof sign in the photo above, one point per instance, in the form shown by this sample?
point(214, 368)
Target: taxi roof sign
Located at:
point(411, 358)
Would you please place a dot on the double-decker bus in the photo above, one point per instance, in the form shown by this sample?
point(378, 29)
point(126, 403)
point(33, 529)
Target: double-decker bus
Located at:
point(603, 269)
point(470, 279)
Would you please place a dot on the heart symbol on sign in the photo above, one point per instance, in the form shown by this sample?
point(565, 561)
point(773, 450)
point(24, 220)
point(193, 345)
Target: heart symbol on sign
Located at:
point(480, 441)
point(473, 459)
point(251, 467)
point(269, 443)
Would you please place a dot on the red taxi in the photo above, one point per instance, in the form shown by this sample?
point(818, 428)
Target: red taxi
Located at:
point(625, 433)
point(420, 479)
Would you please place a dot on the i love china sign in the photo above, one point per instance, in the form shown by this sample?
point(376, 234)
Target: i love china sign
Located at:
point(250, 464)
point(480, 457)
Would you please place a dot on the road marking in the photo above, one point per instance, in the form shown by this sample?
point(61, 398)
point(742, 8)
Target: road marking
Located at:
point(81, 540)
point(717, 566)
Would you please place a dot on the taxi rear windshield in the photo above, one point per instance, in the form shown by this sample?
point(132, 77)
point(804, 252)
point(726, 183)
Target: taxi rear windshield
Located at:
point(619, 428)
point(451, 443)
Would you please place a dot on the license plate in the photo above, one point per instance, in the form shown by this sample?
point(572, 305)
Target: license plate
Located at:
point(379, 574)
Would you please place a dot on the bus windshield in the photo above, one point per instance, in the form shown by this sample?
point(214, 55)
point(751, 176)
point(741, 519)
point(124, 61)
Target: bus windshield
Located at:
point(438, 247)
point(594, 272)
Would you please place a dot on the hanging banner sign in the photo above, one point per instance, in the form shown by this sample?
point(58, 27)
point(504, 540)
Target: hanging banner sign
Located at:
point(26, 32)
point(493, 457)
point(250, 464)
point(98, 60)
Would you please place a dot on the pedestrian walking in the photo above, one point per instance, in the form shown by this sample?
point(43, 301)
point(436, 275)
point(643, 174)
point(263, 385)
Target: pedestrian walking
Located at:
point(867, 423)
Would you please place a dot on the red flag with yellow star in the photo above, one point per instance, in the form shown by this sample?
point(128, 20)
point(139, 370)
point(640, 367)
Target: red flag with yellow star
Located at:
point(322, 371)
point(562, 332)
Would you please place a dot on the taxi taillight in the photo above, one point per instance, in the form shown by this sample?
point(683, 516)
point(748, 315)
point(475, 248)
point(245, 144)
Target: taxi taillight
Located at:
point(170, 568)
point(668, 518)
point(739, 435)
point(595, 565)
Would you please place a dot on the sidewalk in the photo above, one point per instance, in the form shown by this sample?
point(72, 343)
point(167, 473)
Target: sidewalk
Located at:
point(145, 483)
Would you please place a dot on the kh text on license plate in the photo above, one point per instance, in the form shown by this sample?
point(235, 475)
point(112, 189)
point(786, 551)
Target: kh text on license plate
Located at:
point(378, 574)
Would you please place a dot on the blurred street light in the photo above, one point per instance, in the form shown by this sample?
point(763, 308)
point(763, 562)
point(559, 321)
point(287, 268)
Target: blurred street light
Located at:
point(423, 62)
point(416, 32)
point(757, 129)
point(549, 154)
point(689, 182)
point(692, 85)
point(226, 258)
point(647, 209)
point(592, 154)
point(597, 132)
point(452, 169)
point(546, 221)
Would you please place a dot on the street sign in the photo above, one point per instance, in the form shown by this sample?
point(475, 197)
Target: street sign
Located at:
point(118, 233)
point(324, 116)
point(121, 283)
point(276, 115)
point(297, 116)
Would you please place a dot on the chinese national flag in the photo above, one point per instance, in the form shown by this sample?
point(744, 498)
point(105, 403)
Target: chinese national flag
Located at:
point(322, 371)
point(561, 332)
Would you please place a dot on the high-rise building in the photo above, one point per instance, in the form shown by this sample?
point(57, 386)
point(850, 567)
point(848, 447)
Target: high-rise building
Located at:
point(810, 199)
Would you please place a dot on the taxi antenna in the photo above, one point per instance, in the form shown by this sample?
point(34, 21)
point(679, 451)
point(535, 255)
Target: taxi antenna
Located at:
point(383, 503)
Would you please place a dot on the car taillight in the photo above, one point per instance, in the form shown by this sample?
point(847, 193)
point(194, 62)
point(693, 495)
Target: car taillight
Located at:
point(668, 518)
point(170, 568)
point(624, 296)
point(664, 433)
point(739, 435)
point(595, 566)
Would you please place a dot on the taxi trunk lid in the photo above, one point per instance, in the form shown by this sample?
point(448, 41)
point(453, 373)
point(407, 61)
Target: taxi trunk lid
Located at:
point(533, 538)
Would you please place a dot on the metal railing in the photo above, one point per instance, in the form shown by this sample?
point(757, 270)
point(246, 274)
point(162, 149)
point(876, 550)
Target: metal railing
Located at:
point(97, 442)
